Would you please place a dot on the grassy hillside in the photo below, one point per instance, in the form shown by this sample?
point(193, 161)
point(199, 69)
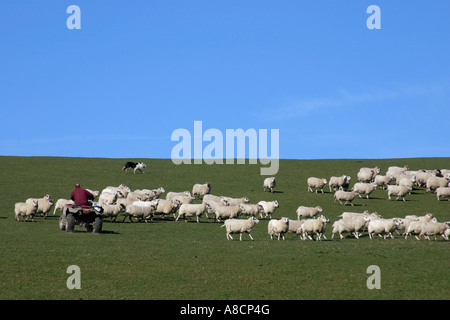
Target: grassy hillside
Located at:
point(177, 260)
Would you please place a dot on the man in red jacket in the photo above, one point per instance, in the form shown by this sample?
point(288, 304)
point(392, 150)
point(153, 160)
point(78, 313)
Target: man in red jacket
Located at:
point(81, 196)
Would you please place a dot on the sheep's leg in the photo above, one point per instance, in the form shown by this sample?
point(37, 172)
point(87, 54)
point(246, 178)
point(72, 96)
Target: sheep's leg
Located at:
point(250, 236)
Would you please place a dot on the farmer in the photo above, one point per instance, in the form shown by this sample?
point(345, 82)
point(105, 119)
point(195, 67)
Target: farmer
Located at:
point(81, 196)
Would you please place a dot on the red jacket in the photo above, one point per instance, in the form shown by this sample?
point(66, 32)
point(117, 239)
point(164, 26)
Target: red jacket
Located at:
point(81, 196)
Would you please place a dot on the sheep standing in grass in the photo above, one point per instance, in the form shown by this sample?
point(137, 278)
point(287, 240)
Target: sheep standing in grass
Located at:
point(171, 195)
point(347, 196)
point(26, 210)
point(434, 229)
point(239, 226)
point(61, 203)
point(140, 211)
point(364, 188)
point(269, 183)
point(435, 182)
point(269, 208)
point(294, 225)
point(383, 227)
point(383, 181)
point(399, 191)
point(44, 204)
point(249, 209)
point(167, 207)
point(278, 227)
point(308, 212)
point(112, 210)
point(235, 201)
point(341, 182)
point(443, 192)
point(192, 210)
point(353, 225)
point(316, 183)
point(314, 226)
point(227, 212)
point(367, 174)
point(201, 189)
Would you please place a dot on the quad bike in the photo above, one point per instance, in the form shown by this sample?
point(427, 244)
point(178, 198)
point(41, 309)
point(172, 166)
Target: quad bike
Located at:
point(84, 216)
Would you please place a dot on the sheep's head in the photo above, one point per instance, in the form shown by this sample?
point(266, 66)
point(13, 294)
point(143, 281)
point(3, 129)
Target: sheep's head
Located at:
point(319, 209)
point(254, 220)
point(276, 204)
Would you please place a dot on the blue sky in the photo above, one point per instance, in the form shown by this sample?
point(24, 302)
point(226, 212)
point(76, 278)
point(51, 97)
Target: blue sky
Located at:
point(138, 70)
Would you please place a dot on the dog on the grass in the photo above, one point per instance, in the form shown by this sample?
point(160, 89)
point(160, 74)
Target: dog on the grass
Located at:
point(135, 166)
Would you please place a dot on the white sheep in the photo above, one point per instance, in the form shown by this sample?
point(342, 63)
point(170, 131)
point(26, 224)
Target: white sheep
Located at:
point(314, 226)
point(347, 196)
point(250, 209)
point(167, 207)
point(443, 192)
point(201, 189)
point(269, 183)
point(307, 212)
point(383, 227)
point(383, 181)
point(364, 188)
point(139, 211)
point(227, 212)
point(367, 174)
point(396, 171)
point(235, 201)
point(170, 195)
point(316, 183)
point(354, 225)
point(341, 182)
point(109, 197)
point(95, 193)
point(211, 197)
point(112, 210)
point(434, 229)
point(122, 190)
point(294, 225)
point(422, 177)
point(399, 191)
point(239, 226)
point(435, 182)
point(192, 210)
point(213, 205)
point(61, 203)
point(278, 227)
point(366, 213)
point(44, 204)
point(25, 209)
point(269, 207)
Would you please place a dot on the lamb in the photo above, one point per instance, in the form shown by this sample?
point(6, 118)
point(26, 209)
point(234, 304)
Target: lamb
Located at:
point(278, 227)
point(399, 191)
point(61, 203)
point(44, 204)
point(269, 183)
point(307, 212)
point(347, 196)
point(227, 212)
point(201, 189)
point(382, 226)
point(435, 182)
point(354, 225)
point(191, 210)
point(314, 226)
point(383, 181)
point(112, 210)
point(364, 188)
point(341, 182)
point(316, 183)
point(251, 209)
point(170, 195)
point(140, 211)
point(269, 207)
point(239, 226)
point(235, 201)
point(25, 209)
point(443, 192)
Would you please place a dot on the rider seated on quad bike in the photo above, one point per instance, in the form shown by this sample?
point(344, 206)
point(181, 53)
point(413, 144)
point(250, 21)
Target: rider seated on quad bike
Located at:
point(81, 196)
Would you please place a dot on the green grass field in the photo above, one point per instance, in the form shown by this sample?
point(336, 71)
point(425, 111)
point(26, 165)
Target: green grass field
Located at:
point(177, 260)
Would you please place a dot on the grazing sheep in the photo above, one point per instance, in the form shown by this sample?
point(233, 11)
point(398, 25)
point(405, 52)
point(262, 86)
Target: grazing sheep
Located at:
point(307, 212)
point(443, 192)
point(314, 226)
point(383, 181)
point(201, 189)
point(226, 212)
point(269, 183)
point(170, 195)
point(112, 210)
point(25, 209)
point(364, 188)
point(399, 191)
point(235, 201)
point(347, 196)
point(192, 210)
point(316, 183)
point(341, 182)
point(383, 227)
point(61, 203)
point(44, 204)
point(239, 226)
point(435, 182)
point(269, 207)
point(251, 209)
point(278, 227)
point(140, 211)
point(354, 225)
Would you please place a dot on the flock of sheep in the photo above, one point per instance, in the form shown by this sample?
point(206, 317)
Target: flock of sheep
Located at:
point(240, 216)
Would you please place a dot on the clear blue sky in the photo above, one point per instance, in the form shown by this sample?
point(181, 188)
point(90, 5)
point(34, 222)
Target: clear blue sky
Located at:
point(138, 70)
